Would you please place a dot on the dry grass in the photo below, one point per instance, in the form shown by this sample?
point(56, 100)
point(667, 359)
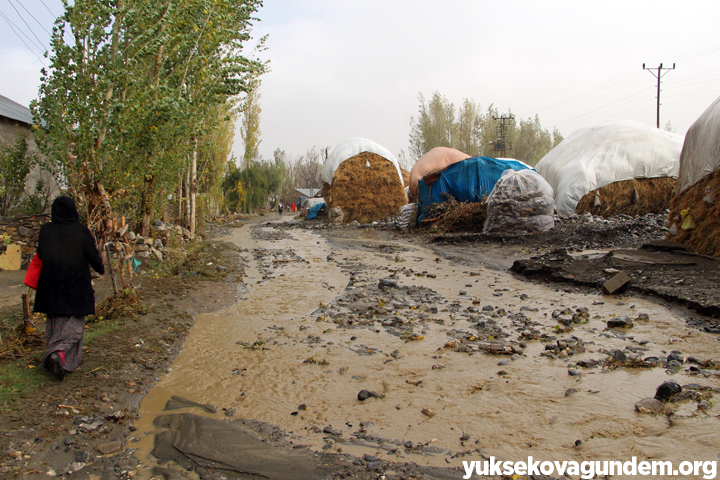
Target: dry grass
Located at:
point(454, 216)
point(121, 306)
point(366, 194)
point(705, 237)
point(653, 196)
point(16, 342)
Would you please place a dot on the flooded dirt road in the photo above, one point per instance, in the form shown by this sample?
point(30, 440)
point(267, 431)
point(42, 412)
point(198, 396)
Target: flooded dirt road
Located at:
point(458, 360)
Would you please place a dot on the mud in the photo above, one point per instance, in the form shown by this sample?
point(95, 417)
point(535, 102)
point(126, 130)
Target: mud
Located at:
point(460, 359)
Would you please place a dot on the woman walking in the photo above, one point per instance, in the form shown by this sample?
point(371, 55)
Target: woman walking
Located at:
point(64, 292)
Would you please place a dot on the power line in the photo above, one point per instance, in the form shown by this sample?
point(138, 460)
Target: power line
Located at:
point(21, 39)
point(698, 53)
point(673, 95)
point(46, 7)
point(595, 89)
point(604, 107)
point(36, 20)
point(26, 24)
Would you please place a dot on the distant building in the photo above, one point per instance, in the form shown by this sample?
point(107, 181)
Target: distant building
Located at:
point(308, 192)
point(16, 120)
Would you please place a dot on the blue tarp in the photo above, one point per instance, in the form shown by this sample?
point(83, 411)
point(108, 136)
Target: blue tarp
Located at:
point(466, 181)
point(314, 210)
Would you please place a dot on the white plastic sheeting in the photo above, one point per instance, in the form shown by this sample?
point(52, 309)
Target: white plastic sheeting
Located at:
point(521, 202)
point(311, 202)
point(613, 151)
point(701, 151)
point(350, 147)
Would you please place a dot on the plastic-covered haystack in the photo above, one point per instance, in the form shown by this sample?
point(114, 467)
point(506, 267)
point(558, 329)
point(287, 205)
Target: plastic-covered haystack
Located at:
point(636, 197)
point(439, 158)
point(694, 216)
point(521, 202)
point(367, 188)
point(695, 213)
point(468, 181)
point(701, 151)
point(610, 152)
point(350, 148)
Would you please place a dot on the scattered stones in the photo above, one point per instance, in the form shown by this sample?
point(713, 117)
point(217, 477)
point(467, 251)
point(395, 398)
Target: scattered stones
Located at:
point(363, 395)
point(570, 391)
point(619, 356)
point(675, 357)
point(108, 448)
point(667, 390)
point(620, 322)
point(648, 405)
point(387, 283)
point(427, 412)
point(332, 431)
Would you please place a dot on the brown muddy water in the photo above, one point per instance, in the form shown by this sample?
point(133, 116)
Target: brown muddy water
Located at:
point(298, 347)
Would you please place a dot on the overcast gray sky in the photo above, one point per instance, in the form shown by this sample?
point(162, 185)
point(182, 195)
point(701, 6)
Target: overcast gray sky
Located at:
point(342, 68)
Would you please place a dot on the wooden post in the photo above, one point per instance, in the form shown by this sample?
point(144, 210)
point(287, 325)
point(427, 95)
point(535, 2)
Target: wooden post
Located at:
point(110, 268)
point(26, 312)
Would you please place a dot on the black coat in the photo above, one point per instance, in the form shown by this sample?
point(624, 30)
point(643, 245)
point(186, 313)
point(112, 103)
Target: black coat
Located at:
point(66, 248)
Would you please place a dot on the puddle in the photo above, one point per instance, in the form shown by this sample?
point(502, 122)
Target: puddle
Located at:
point(282, 357)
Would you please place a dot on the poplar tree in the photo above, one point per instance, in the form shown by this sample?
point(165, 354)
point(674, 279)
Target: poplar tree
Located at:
point(133, 93)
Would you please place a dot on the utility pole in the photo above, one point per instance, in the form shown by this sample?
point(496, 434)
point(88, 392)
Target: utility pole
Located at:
point(502, 145)
point(658, 75)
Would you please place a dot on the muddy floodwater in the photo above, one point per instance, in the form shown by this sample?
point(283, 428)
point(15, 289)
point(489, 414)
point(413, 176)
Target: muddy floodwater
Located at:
point(454, 355)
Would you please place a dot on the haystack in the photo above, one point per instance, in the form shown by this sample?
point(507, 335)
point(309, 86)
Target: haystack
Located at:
point(367, 188)
point(608, 153)
point(638, 196)
point(695, 213)
point(437, 159)
point(467, 181)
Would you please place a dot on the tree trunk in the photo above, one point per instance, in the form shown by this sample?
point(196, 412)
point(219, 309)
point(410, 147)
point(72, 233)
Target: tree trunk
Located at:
point(179, 202)
point(144, 227)
point(193, 188)
point(187, 199)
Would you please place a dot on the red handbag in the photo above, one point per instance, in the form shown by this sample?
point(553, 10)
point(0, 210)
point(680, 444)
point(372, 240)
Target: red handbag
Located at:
point(33, 272)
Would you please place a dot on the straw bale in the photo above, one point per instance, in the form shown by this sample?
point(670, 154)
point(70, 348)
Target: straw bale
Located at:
point(652, 195)
point(703, 202)
point(366, 194)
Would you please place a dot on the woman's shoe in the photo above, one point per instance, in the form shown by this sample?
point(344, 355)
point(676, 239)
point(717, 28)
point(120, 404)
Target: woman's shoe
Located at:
point(55, 366)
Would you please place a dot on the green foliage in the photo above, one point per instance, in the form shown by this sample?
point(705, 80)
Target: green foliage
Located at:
point(471, 131)
point(531, 142)
point(15, 165)
point(36, 202)
point(250, 188)
point(434, 126)
point(233, 191)
point(137, 87)
point(250, 129)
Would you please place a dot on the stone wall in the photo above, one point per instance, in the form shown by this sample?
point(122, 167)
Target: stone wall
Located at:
point(23, 231)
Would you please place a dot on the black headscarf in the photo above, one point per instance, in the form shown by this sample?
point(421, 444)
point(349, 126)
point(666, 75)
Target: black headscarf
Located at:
point(64, 211)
